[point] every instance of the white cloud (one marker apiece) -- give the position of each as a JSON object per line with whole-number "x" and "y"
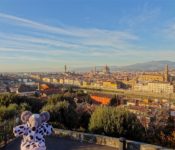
{"x": 77, "y": 46}
{"x": 76, "y": 41}
{"x": 143, "y": 14}
{"x": 69, "y": 31}
{"x": 170, "y": 31}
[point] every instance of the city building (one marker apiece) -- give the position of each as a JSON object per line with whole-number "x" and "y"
{"x": 155, "y": 77}
{"x": 151, "y": 78}
{"x": 155, "y": 87}
{"x": 55, "y": 80}
{"x": 46, "y": 79}
{"x": 110, "y": 85}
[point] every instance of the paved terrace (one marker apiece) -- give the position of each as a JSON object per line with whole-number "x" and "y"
{"x": 56, "y": 143}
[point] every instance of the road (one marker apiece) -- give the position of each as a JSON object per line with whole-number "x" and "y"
{"x": 56, "y": 143}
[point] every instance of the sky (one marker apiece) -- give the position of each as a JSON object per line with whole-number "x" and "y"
{"x": 44, "y": 35}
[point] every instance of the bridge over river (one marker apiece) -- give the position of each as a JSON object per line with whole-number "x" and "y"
{"x": 56, "y": 143}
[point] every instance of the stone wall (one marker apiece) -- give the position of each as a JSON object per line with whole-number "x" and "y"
{"x": 105, "y": 140}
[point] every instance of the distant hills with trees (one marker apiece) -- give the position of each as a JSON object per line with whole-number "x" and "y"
{"x": 147, "y": 66}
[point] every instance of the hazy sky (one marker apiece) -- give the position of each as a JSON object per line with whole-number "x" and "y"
{"x": 43, "y": 35}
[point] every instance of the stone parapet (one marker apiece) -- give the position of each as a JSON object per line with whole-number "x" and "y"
{"x": 105, "y": 140}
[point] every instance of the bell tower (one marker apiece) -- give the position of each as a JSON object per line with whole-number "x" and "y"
{"x": 65, "y": 68}
{"x": 166, "y": 74}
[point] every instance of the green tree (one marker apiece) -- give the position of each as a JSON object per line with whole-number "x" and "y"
{"x": 115, "y": 122}
{"x": 7, "y": 113}
{"x": 35, "y": 103}
{"x": 55, "y": 98}
{"x": 115, "y": 100}
{"x": 24, "y": 107}
{"x": 84, "y": 111}
{"x": 62, "y": 114}
{"x": 70, "y": 89}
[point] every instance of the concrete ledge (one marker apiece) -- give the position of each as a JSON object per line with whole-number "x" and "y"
{"x": 105, "y": 140}
{"x": 2, "y": 144}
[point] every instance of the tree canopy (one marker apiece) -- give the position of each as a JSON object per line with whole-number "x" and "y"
{"x": 115, "y": 122}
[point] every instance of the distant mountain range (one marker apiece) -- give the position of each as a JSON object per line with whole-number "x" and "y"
{"x": 147, "y": 66}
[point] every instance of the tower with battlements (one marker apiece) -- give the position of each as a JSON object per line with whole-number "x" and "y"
{"x": 166, "y": 74}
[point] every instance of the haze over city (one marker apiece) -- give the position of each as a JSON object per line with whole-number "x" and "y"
{"x": 45, "y": 35}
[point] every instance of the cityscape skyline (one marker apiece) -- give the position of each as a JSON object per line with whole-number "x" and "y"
{"x": 50, "y": 34}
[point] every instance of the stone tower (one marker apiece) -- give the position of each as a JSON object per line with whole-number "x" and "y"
{"x": 39, "y": 82}
{"x": 166, "y": 74}
{"x": 95, "y": 69}
{"x": 65, "y": 68}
